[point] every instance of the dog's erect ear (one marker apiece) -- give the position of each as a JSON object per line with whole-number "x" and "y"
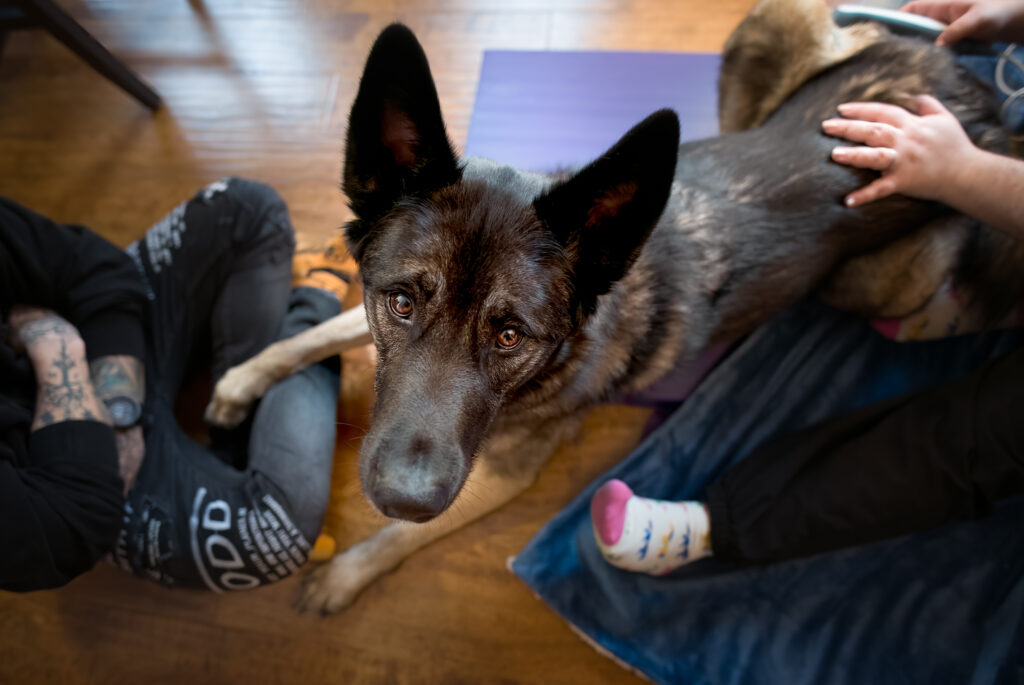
{"x": 396, "y": 143}
{"x": 603, "y": 215}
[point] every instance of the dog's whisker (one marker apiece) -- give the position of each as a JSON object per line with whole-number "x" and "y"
{"x": 361, "y": 429}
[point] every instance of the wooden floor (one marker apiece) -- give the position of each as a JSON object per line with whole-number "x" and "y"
{"x": 261, "y": 88}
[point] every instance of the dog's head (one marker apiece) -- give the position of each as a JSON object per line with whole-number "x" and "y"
{"x": 473, "y": 275}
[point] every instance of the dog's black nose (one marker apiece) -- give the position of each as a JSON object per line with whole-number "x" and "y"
{"x": 416, "y": 483}
{"x": 417, "y": 506}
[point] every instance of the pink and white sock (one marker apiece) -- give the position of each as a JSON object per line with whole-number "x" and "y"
{"x": 648, "y": 535}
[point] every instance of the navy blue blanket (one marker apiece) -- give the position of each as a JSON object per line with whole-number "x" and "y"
{"x": 942, "y": 606}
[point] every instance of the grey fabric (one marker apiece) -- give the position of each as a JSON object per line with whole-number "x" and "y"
{"x": 243, "y": 511}
{"x": 292, "y": 440}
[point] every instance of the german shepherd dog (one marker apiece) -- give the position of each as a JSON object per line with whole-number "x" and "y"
{"x": 504, "y": 304}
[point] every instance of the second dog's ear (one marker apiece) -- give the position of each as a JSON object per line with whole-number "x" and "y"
{"x": 396, "y": 144}
{"x": 603, "y": 215}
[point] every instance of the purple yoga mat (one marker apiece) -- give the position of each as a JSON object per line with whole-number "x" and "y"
{"x": 546, "y": 111}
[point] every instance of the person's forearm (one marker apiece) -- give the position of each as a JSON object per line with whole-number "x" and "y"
{"x": 123, "y": 376}
{"x": 990, "y": 188}
{"x": 119, "y": 376}
{"x": 65, "y": 391}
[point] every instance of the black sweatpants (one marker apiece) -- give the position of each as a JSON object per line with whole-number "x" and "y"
{"x": 217, "y": 272}
{"x": 899, "y": 466}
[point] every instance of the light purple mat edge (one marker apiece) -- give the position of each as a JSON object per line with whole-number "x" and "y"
{"x": 546, "y": 110}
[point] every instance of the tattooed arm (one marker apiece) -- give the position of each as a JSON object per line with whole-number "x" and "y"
{"x": 119, "y": 375}
{"x": 61, "y": 501}
{"x": 65, "y": 391}
{"x": 71, "y": 388}
{"x": 123, "y": 376}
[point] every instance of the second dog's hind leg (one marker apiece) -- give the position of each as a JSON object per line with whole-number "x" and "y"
{"x": 776, "y": 49}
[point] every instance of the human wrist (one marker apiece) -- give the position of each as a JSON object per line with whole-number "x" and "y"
{"x": 119, "y": 376}
{"x": 64, "y": 390}
{"x": 45, "y": 332}
{"x": 120, "y": 383}
{"x": 42, "y": 350}
{"x": 958, "y": 179}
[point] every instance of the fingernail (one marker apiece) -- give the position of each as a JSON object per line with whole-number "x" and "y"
{"x": 840, "y": 153}
{"x": 843, "y": 107}
{"x": 850, "y": 200}
{"x": 829, "y": 123}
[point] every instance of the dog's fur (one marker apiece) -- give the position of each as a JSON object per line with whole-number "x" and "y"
{"x": 613, "y": 274}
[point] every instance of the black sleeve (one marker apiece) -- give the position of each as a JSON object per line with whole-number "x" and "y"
{"x": 62, "y": 512}
{"x": 61, "y": 504}
{"x": 78, "y": 274}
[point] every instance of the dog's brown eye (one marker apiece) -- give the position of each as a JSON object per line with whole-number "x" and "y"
{"x": 510, "y": 338}
{"x": 401, "y": 304}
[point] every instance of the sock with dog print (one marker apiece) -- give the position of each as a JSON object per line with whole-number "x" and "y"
{"x": 648, "y": 535}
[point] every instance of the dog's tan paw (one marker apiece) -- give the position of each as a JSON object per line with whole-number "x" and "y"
{"x": 330, "y": 588}
{"x": 233, "y": 397}
{"x": 336, "y": 584}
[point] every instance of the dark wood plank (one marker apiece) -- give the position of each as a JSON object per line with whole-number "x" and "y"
{"x": 61, "y": 26}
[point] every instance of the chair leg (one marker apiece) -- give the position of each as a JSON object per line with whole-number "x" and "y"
{"x": 80, "y": 41}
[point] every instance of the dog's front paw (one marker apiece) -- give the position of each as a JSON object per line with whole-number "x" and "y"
{"x": 234, "y": 396}
{"x": 336, "y": 584}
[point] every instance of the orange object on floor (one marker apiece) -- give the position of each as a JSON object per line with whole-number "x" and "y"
{"x": 331, "y": 269}
{"x": 324, "y": 548}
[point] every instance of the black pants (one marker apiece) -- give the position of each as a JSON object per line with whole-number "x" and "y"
{"x": 903, "y": 465}
{"x": 218, "y": 272}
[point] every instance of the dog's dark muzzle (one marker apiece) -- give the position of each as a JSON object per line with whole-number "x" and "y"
{"x": 431, "y": 414}
{"x": 407, "y": 491}
{"x": 413, "y": 477}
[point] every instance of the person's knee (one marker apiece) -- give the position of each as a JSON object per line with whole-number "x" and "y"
{"x": 259, "y": 197}
{"x": 262, "y": 203}
{"x": 263, "y": 224}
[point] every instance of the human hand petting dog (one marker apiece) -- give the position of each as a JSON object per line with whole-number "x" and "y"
{"x": 928, "y": 155}
{"x": 920, "y": 155}
{"x": 984, "y": 20}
